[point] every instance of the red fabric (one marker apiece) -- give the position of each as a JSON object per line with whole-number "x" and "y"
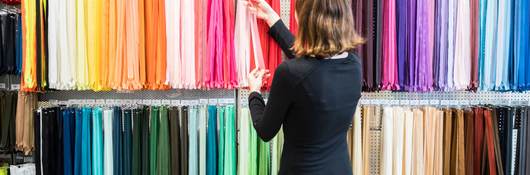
{"x": 10, "y": 2}
{"x": 293, "y": 24}
{"x": 272, "y": 54}
{"x": 490, "y": 143}
{"x": 479, "y": 139}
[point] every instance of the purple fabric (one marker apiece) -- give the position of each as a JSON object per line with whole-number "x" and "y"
{"x": 442, "y": 70}
{"x": 424, "y": 44}
{"x": 411, "y": 43}
{"x": 436, "y": 61}
{"x": 401, "y": 18}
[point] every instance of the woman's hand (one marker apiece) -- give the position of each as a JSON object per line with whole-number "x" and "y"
{"x": 263, "y": 11}
{"x": 255, "y": 79}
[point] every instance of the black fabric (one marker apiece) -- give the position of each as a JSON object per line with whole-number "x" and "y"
{"x": 184, "y": 140}
{"x": 127, "y": 142}
{"x": 52, "y": 142}
{"x": 174, "y": 136}
{"x": 7, "y": 42}
{"x": 304, "y": 95}
{"x": 117, "y": 140}
{"x": 145, "y": 141}
{"x": 38, "y": 146}
{"x": 136, "y": 140}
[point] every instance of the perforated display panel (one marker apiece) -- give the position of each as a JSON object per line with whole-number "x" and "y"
{"x": 157, "y": 95}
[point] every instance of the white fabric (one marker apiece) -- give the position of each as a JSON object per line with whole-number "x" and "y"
{"x": 409, "y": 124}
{"x": 243, "y": 154}
{"x": 451, "y": 44}
{"x": 398, "y": 142}
{"x": 53, "y": 43}
{"x": 173, "y": 43}
{"x": 187, "y": 36}
{"x": 202, "y": 139}
{"x": 357, "y": 143}
{"x": 462, "y": 66}
{"x": 67, "y": 64}
{"x": 24, "y": 169}
{"x": 108, "y": 167}
{"x": 387, "y": 152}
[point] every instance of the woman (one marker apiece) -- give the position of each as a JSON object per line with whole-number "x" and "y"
{"x": 315, "y": 95}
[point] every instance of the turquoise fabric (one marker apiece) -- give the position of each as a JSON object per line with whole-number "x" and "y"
{"x": 211, "y": 142}
{"x": 230, "y": 142}
{"x": 97, "y": 142}
{"x": 193, "y": 141}
{"x": 86, "y": 161}
{"x": 221, "y": 140}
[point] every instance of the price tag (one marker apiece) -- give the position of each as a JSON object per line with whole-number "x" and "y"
{"x": 118, "y": 101}
{"x": 387, "y": 102}
{"x": 394, "y": 102}
{"x": 212, "y": 101}
{"x": 415, "y": 102}
{"x": 404, "y": 102}
{"x": 434, "y": 102}
{"x": 231, "y": 101}
{"x": 100, "y": 101}
{"x": 147, "y": 102}
{"x": 175, "y": 102}
{"x": 15, "y": 86}
{"x": 166, "y": 102}
{"x": 194, "y": 102}
{"x": 90, "y": 102}
{"x": 157, "y": 102}
{"x": 129, "y": 102}
{"x": 63, "y": 102}
{"x": 464, "y": 102}
{"x": 2, "y": 85}
{"x": 424, "y": 102}
{"x": 109, "y": 102}
{"x": 54, "y": 102}
{"x": 203, "y": 101}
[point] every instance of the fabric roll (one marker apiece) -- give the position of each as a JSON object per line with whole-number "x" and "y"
{"x": 357, "y": 143}
{"x": 418, "y": 147}
{"x": 503, "y": 45}
{"x": 145, "y": 157}
{"x": 451, "y": 36}
{"x": 68, "y": 140}
{"x": 221, "y": 139}
{"x": 137, "y": 141}
{"x": 86, "y": 149}
{"x": 254, "y": 157}
{"x": 97, "y": 141}
{"x": 211, "y": 142}
{"x": 387, "y": 141}
{"x": 38, "y": 143}
{"x": 447, "y": 142}
{"x": 442, "y": 21}
{"x": 462, "y": 48}
{"x": 127, "y": 144}
{"x": 490, "y": 40}
{"x": 397, "y": 140}
{"x": 108, "y": 142}
{"x": 78, "y": 139}
{"x": 429, "y": 139}
{"x": 188, "y": 39}
{"x": 244, "y": 144}
{"x": 193, "y": 163}
{"x": 174, "y": 136}
{"x": 174, "y": 61}
{"x": 164, "y": 156}
{"x": 230, "y": 142}
{"x": 490, "y": 141}
{"x": 478, "y": 139}
{"x": 475, "y": 44}
{"x": 82, "y": 81}
{"x": 117, "y": 122}
{"x": 409, "y": 125}
{"x": 153, "y": 139}
{"x": 390, "y": 70}
{"x": 25, "y": 137}
{"x": 184, "y": 140}
{"x": 469, "y": 140}
{"x": 203, "y": 116}
{"x": 438, "y": 150}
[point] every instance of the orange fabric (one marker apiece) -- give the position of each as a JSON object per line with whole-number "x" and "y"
{"x": 155, "y": 46}
{"x": 141, "y": 41}
{"x": 112, "y": 44}
{"x": 28, "y": 82}
{"x": 104, "y": 64}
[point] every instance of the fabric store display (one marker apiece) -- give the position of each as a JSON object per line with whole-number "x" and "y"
{"x": 10, "y": 41}
{"x": 24, "y": 122}
{"x": 443, "y": 45}
{"x": 131, "y": 45}
{"x": 110, "y": 140}
{"x": 440, "y": 140}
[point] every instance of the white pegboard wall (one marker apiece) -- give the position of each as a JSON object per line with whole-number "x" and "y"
{"x": 433, "y": 98}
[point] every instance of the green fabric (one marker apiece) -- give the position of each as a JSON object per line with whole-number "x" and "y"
{"x": 243, "y": 146}
{"x": 253, "y": 149}
{"x": 153, "y": 140}
{"x": 163, "y": 144}
{"x": 3, "y": 169}
{"x": 221, "y": 141}
{"x": 276, "y": 155}
{"x": 264, "y": 157}
{"x": 230, "y": 142}
{"x": 136, "y": 167}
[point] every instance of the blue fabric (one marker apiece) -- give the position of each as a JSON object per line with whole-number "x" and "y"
{"x": 68, "y": 141}
{"x": 402, "y": 43}
{"x": 117, "y": 140}
{"x": 78, "y": 139}
{"x": 97, "y": 142}
{"x": 522, "y": 45}
{"x": 86, "y": 161}
{"x": 19, "y": 44}
{"x": 211, "y": 142}
{"x": 482, "y": 43}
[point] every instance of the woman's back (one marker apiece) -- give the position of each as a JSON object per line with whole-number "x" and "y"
{"x": 325, "y": 95}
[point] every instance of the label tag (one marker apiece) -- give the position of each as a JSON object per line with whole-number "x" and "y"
{"x": 415, "y": 102}
{"x": 2, "y": 85}
{"x": 15, "y": 86}
{"x": 424, "y": 102}
{"x": 100, "y": 101}
{"x": 166, "y": 102}
{"x": 404, "y": 102}
{"x": 231, "y": 101}
{"x": 394, "y": 102}
{"x": 90, "y": 102}
{"x": 212, "y": 101}
{"x": 147, "y": 102}
{"x": 434, "y": 102}
{"x": 157, "y": 102}
{"x": 203, "y": 101}
{"x": 175, "y": 102}
{"x": 194, "y": 102}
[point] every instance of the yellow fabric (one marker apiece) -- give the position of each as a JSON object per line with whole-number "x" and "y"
{"x": 82, "y": 61}
{"x": 28, "y": 9}
{"x": 93, "y": 43}
{"x": 104, "y": 44}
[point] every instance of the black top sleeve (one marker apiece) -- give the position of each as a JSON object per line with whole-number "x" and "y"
{"x": 283, "y": 37}
{"x": 268, "y": 118}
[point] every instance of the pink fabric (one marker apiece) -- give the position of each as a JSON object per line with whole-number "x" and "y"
{"x": 390, "y": 78}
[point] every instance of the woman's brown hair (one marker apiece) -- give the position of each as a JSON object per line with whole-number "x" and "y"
{"x": 325, "y": 28}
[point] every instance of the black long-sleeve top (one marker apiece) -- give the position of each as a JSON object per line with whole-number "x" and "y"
{"x": 315, "y": 100}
